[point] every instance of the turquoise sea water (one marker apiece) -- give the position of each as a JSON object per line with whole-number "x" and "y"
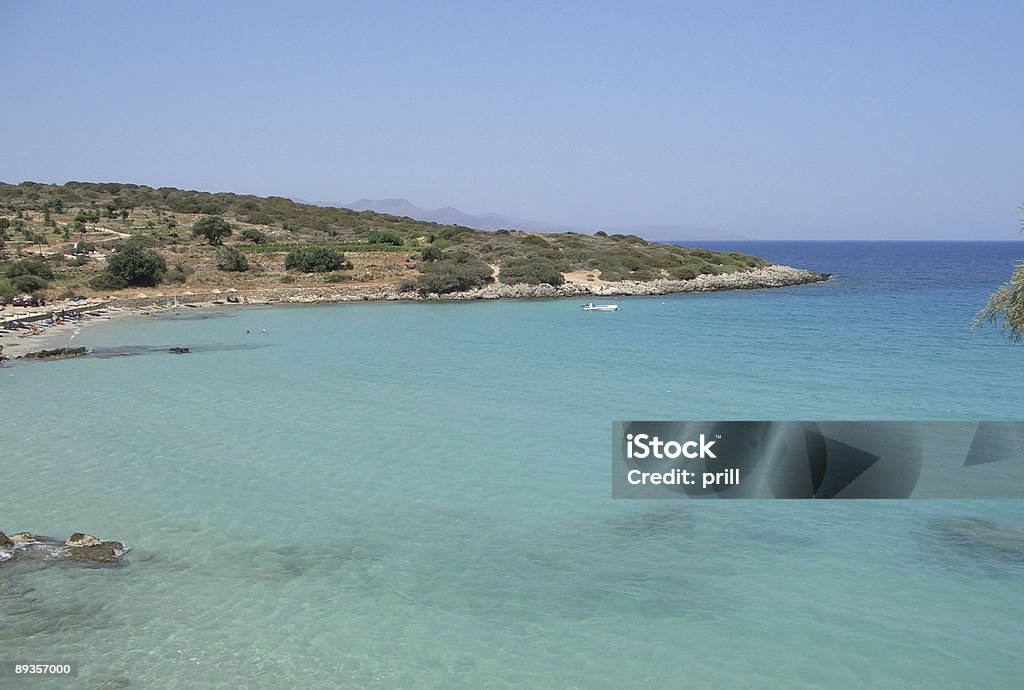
{"x": 419, "y": 495}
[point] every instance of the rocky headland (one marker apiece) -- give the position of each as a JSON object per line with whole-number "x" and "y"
{"x": 768, "y": 277}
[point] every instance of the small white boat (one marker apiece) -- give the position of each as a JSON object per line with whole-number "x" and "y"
{"x": 600, "y": 307}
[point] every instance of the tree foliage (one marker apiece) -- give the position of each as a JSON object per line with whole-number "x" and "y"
{"x": 1006, "y": 305}
{"x": 137, "y": 266}
{"x": 314, "y": 259}
{"x": 213, "y": 228}
{"x": 28, "y": 283}
{"x": 27, "y": 275}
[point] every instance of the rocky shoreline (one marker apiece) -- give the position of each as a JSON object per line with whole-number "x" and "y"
{"x": 769, "y": 277}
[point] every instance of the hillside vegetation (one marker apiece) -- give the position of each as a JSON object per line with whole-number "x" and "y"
{"x": 102, "y": 238}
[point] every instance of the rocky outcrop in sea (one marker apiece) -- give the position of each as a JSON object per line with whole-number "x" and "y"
{"x": 57, "y": 353}
{"x": 79, "y": 547}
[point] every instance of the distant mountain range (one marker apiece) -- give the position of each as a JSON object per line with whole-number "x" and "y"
{"x": 450, "y": 215}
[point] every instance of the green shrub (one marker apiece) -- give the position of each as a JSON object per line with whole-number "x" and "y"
{"x": 144, "y": 241}
{"x": 287, "y": 279}
{"x": 431, "y": 253}
{"x": 453, "y": 233}
{"x": 385, "y": 237}
{"x": 230, "y": 259}
{"x": 457, "y": 273}
{"x": 107, "y": 281}
{"x": 336, "y": 278}
{"x": 255, "y": 236}
{"x": 83, "y": 247}
{"x": 535, "y": 240}
{"x": 136, "y": 266}
{"x": 33, "y": 266}
{"x": 313, "y": 259}
{"x": 79, "y": 261}
{"x": 532, "y": 271}
{"x": 28, "y": 283}
{"x": 176, "y": 275}
{"x": 259, "y": 218}
{"x": 618, "y": 274}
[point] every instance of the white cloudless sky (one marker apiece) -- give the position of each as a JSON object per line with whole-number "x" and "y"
{"x": 786, "y": 120}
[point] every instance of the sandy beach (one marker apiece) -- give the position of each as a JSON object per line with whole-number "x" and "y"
{"x": 17, "y": 342}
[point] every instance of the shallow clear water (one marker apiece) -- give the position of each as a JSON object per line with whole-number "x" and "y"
{"x": 418, "y": 495}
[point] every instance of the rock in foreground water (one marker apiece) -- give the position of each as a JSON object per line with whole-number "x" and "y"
{"x": 79, "y": 547}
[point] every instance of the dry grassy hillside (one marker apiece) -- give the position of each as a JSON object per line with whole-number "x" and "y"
{"x": 79, "y": 228}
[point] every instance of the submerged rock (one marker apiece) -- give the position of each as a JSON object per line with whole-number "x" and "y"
{"x": 983, "y": 536}
{"x": 179, "y": 350}
{"x": 665, "y": 522}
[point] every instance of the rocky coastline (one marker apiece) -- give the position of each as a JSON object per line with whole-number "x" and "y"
{"x": 768, "y": 277}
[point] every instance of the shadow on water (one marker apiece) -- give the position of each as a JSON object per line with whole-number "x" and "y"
{"x": 346, "y": 566}
{"x": 570, "y": 572}
{"x": 132, "y": 350}
{"x": 48, "y": 606}
{"x": 201, "y": 316}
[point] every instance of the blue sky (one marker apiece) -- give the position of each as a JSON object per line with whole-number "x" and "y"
{"x": 772, "y": 120}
